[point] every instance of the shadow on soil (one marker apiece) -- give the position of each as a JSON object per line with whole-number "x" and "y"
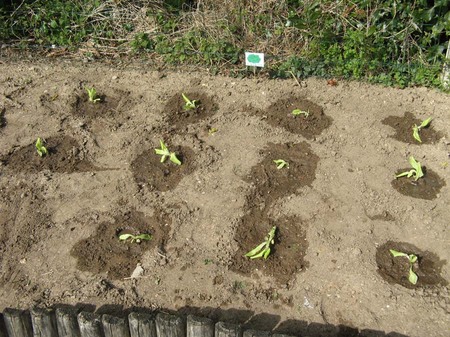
{"x": 247, "y": 319}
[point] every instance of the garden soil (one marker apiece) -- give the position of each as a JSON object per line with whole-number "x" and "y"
{"x": 336, "y": 204}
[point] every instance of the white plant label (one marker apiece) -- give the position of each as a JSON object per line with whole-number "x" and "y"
{"x": 254, "y": 59}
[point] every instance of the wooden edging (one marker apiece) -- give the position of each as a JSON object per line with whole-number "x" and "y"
{"x": 67, "y": 322}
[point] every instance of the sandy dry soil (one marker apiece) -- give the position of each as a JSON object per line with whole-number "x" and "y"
{"x": 337, "y": 207}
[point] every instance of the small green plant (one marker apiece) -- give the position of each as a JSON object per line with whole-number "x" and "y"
{"x": 164, "y": 152}
{"x": 40, "y": 148}
{"x": 207, "y": 261}
{"x": 281, "y": 163}
{"x": 416, "y": 170}
{"x": 188, "y": 103}
{"x": 416, "y": 129}
{"x": 412, "y": 277}
{"x": 263, "y": 250}
{"x": 92, "y": 94}
{"x": 298, "y": 112}
{"x": 133, "y": 238}
{"x": 212, "y": 131}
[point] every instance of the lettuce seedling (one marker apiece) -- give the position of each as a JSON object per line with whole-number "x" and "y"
{"x": 263, "y": 250}
{"x": 40, "y": 148}
{"x": 92, "y": 94}
{"x": 416, "y": 170}
{"x": 137, "y": 238}
{"x": 164, "y": 152}
{"x": 416, "y": 129}
{"x": 188, "y": 103}
{"x": 281, "y": 163}
{"x": 297, "y": 112}
{"x": 412, "y": 277}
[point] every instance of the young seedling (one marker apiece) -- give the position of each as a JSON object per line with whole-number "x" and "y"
{"x": 412, "y": 277}
{"x": 281, "y": 163}
{"x": 298, "y": 112}
{"x": 416, "y": 129}
{"x": 263, "y": 250}
{"x": 92, "y": 94}
{"x": 133, "y": 238}
{"x": 40, "y": 148}
{"x": 416, "y": 170}
{"x": 188, "y": 103}
{"x": 212, "y": 131}
{"x": 164, "y": 152}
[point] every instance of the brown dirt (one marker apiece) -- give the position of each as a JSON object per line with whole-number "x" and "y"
{"x": 64, "y": 156}
{"x": 403, "y": 129}
{"x": 103, "y": 252}
{"x": 427, "y": 187}
{"x": 279, "y": 114}
{"x": 149, "y": 171}
{"x": 428, "y": 267}
{"x": 334, "y": 207}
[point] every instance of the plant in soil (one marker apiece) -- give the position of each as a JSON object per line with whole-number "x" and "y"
{"x": 412, "y": 276}
{"x": 40, "y": 148}
{"x": 92, "y": 94}
{"x": 164, "y": 153}
{"x": 416, "y": 170}
{"x": 188, "y": 103}
{"x": 297, "y": 112}
{"x": 416, "y": 129}
{"x": 281, "y": 163}
{"x": 135, "y": 238}
{"x": 263, "y": 250}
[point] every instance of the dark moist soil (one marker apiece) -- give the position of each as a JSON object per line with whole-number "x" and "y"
{"x": 396, "y": 269}
{"x": 2, "y": 118}
{"x": 279, "y": 114}
{"x": 64, "y": 156}
{"x": 270, "y": 184}
{"x": 109, "y": 105}
{"x": 427, "y": 187}
{"x": 403, "y": 129}
{"x": 103, "y": 252}
{"x": 178, "y": 117}
{"x": 149, "y": 171}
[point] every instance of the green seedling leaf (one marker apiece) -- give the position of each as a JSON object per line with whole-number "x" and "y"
{"x": 412, "y": 276}
{"x": 416, "y": 129}
{"x": 416, "y": 171}
{"x": 164, "y": 153}
{"x": 92, "y": 94}
{"x": 263, "y": 249}
{"x": 212, "y": 131}
{"x": 397, "y": 254}
{"x": 281, "y": 163}
{"x": 297, "y": 112}
{"x": 137, "y": 238}
{"x": 40, "y": 148}
{"x": 188, "y": 103}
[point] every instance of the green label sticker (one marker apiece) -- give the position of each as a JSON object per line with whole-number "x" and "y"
{"x": 254, "y": 59}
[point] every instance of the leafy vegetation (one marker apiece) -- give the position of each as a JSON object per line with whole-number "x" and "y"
{"x": 297, "y": 112}
{"x": 416, "y": 129}
{"x": 415, "y": 172}
{"x": 164, "y": 153}
{"x": 412, "y": 276}
{"x": 281, "y": 163}
{"x": 263, "y": 250}
{"x": 393, "y": 42}
{"x": 135, "y": 238}
{"x": 188, "y": 103}
{"x": 92, "y": 94}
{"x": 40, "y": 148}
